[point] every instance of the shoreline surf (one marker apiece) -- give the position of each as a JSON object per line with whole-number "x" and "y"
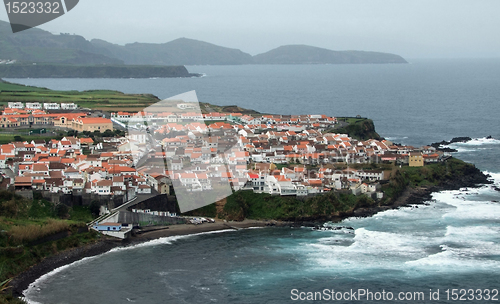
{"x": 21, "y": 283}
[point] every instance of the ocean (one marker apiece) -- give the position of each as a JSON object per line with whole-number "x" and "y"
{"x": 446, "y": 250}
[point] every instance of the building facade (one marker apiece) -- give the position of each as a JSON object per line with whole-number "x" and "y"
{"x": 92, "y": 124}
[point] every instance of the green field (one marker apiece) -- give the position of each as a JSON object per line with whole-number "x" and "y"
{"x": 13, "y": 87}
{"x": 8, "y": 138}
{"x": 95, "y": 99}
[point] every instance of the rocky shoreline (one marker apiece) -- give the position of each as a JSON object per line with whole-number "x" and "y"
{"x": 22, "y": 281}
{"x": 411, "y": 196}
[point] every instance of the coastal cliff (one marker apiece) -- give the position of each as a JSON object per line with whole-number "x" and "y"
{"x": 358, "y": 128}
{"x": 95, "y": 71}
{"x": 407, "y": 185}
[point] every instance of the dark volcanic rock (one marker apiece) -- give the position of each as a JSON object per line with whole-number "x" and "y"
{"x": 438, "y": 145}
{"x": 462, "y": 139}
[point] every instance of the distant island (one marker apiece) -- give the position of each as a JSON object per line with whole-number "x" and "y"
{"x": 39, "y": 46}
{"x": 304, "y": 54}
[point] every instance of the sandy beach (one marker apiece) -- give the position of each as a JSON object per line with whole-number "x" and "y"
{"x": 185, "y": 229}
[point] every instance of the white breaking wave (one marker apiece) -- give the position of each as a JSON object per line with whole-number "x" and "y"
{"x": 472, "y": 231}
{"x": 466, "y": 208}
{"x": 33, "y": 287}
{"x": 461, "y": 149}
{"x": 369, "y": 250}
{"x": 474, "y": 145}
{"x": 166, "y": 240}
{"x": 479, "y": 142}
{"x": 495, "y": 177}
{"x": 455, "y": 260}
{"x": 455, "y": 233}
{"x": 396, "y": 138}
{"x": 414, "y": 211}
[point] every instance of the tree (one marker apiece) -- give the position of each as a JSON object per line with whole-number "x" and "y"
{"x": 108, "y": 133}
{"x": 71, "y": 133}
{"x": 119, "y": 132}
{"x": 95, "y": 208}
{"x": 62, "y": 211}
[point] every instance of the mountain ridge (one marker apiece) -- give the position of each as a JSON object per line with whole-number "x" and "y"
{"x": 39, "y": 46}
{"x": 179, "y": 51}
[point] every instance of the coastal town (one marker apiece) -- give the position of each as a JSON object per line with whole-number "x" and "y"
{"x": 298, "y": 155}
{"x": 246, "y": 152}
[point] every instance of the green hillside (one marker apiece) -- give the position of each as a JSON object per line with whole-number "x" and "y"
{"x": 95, "y": 99}
{"x": 35, "y": 45}
{"x": 180, "y": 51}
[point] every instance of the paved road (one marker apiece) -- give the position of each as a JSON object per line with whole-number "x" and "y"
{"x": 140, "y": 198}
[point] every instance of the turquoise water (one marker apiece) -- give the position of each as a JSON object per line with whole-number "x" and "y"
{"x": 451, "y": 243}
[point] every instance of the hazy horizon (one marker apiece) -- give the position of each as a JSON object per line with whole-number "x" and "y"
{"x": 412, "y": 29}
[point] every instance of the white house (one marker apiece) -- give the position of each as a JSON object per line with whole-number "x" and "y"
{"x": 143, "y": 189}
{"x": 371, "y": 175}
{"x": 16, "y": 105}
{"x": 103, "y": 187}
{"x": 3, "y": 158}
{"x": 69, "y": 106}
{"x": 51, "y": 106}
{"x": 175, "y": 165}
{"x": 34, "y": 105}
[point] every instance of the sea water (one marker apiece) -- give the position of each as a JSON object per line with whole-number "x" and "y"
{"x": 451, "y": 244}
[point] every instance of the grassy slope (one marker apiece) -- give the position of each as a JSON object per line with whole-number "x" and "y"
{"x": 207, "y": 107}
{"x": 7, "y": 86}
{"x": 28, "y": 230}
{"x": 95, "y": 99}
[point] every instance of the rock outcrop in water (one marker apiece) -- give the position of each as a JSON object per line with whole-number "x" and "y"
{"x": 463, "y": 139}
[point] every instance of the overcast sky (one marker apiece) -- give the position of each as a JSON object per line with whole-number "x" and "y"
{"x": 413, "y": 29}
